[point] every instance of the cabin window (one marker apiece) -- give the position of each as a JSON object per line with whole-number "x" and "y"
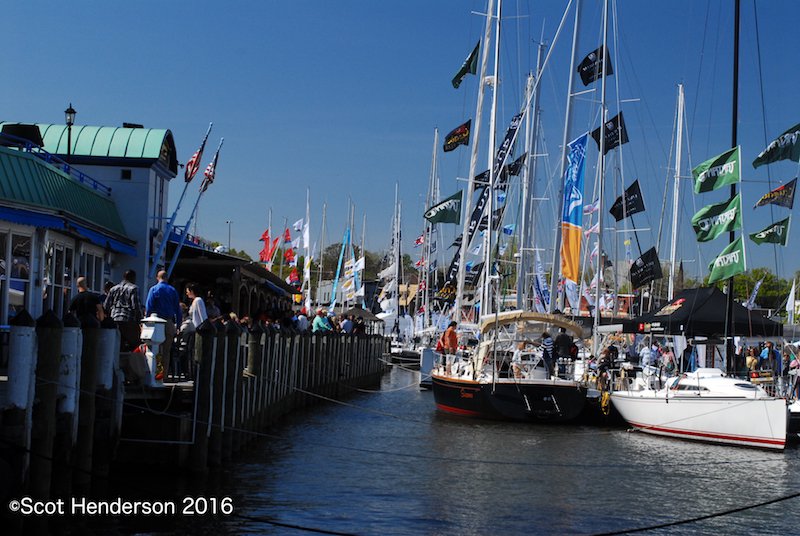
{"x": 91, "y": 267}
{"x": 20, "y": 274}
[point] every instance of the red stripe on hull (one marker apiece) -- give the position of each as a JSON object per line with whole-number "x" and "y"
{"x": 709, "y": 435}
{"x": 459, "y": 411}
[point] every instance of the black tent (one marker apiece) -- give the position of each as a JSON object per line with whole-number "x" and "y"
{"x": 702, "y": 311}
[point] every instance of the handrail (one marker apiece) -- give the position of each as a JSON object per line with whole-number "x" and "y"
{"x": 30, "y": 147}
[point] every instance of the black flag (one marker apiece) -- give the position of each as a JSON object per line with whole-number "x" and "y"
{"x": 645, "y": 269}
{"x": 633, "y": 203}
{"x": 591, "y": 68}
{"x": 458, "y": 136}
{"x": 615, "y": 133}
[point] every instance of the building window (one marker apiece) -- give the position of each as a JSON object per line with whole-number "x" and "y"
{"x": 125, "y": 174}
{"x": 20, "y": 276}
{"x": 91, "y": 267}
{"x": 58, "y": 278}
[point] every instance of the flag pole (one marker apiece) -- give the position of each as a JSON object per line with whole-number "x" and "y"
{"x": 175, "y": 255}
{"x": 171, "y": 224}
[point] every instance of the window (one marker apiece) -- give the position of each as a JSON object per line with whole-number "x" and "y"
{"x": 58, "y": 279}
{"x": 19, "y": 278}
{"x": 91, "y": 267}
{"x": 125, "y": 174}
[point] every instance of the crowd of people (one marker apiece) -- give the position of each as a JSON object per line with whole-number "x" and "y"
{"x": 121, "y": 303}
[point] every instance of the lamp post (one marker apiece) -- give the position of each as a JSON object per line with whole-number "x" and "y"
{"x": 69, "y": 117}
{"x": 229, "y": 222}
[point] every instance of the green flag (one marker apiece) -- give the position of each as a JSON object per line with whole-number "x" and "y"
{"x": 728, "y": 263}
{"x": 713, "y": 220}
{"x": 470, "y": 66}
{"x": 447, "y": 211}
{"x": 717, "y": 172}
{"x": 785, "y": 147}
{"x": 776, "y": 233}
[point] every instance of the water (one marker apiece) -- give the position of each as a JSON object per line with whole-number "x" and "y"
{"x": 386, "y": 463}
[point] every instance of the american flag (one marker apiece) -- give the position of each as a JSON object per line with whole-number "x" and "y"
{"x": 193, "y": 165}
{"x": 211, "y": 170}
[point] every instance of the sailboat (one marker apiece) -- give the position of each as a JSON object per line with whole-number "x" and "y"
{"x": 508, "y": 375}
{"x": 706, "y": 404}
{"x": 398, "y": 325}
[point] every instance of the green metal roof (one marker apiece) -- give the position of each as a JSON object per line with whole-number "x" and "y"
{"x": 25, "y": 180}
{"x": 149, "y": 144}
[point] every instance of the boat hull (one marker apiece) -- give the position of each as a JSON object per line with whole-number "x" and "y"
{"x": 509, "y": 399}
{"x": 747, "y": 422}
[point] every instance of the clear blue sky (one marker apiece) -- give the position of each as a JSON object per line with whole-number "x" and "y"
{"x": 342, "y": 97}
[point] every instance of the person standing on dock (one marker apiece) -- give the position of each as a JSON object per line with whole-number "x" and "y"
{"x": 197, "y": 310}
{"x": 320, "y": 324}
{"x": 162, "y": 300}
{"x": 125, "y": 308}
{"x": 86, "y": 302}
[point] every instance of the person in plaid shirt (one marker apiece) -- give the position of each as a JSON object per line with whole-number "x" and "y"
{"x": 125, "y": 308}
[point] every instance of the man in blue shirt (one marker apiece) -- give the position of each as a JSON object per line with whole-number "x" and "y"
{"x": 162, "y": 300}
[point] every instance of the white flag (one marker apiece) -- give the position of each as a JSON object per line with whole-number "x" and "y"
{"x": 359, "y": 265}
{"x": 360, "y": 291}
{"x": 296, "y": 243}
{"x": 790, "y": 306}
{"x": 348, "y": 284}
{"x": 306, "y": 236}
{"x": 298, "y": 225}
{"x": 388, "y": 272}
{"x": 348, "y": 272}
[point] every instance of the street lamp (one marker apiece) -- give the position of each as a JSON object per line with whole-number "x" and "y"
{"x": 229, "y": 222}
{"x": 69, "y": 118}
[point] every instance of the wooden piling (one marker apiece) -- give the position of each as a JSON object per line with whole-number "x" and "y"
{"x": 218, "y": 398}
{"x": 82, "y": 476}
{"x": 48, "y": 334}
{"x": 66, "y": 425}
{"x": 204, "y": 353}
{"x": 232, "y": 376}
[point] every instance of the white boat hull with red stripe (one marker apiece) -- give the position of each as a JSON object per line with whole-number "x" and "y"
{"x": 706, "y": 405}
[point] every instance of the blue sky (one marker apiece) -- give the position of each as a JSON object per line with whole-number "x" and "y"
{"x": 342, "y": 98}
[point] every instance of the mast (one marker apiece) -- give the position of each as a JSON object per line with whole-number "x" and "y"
{"x": 488, "y": 269}
{"x": 308, "y": 252}
{"x": 675, "y": 194}
{"x": 363, "y": 256}
{"x": 601, "y": 173}
{"x": 734, "y": 143}
{"x": 473, "y": 161}
{"x": 321, "y": 252}
{"x": 531, "y": 143}
{"x": 556, "y": 268}
{"x": 426, "y": 245}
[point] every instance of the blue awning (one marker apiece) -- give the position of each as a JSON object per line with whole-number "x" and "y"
{"x": 104, "y": 241}
{"x": 36, "y": 219}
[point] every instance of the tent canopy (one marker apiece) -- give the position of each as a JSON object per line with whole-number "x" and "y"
{"x": 363, "y": 313}
{"x": 702, "y": 311}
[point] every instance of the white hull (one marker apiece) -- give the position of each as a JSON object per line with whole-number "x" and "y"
{"x": 713, "y": 409}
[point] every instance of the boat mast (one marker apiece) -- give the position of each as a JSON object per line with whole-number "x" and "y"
{"x": 426, "y": 244}
{"x": 473, "y": 163}
{"x": 601, "y": 173}
{"x": 556, "y": 268}
{"x": 488, "y": 268}
{"x": 363, "y": 256}
{"x": 734, "y": 143}
{"x": 321, "y": 252}
{"x": 531, "y": 146}
{"x": 675, "y": 194}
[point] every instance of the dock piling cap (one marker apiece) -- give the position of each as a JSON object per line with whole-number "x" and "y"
{"x": 153, "y": 319}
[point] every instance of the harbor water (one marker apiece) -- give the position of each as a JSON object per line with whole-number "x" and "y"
{"x": 386, "y": 463}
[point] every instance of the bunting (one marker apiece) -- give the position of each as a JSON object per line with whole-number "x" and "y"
{"x": 470, "y": 66}
{"x": 730, "y": 262}
{"x": 457, "y": 136}
{"x": 592, "y": 66}
{"x": 782, "y": 196}
{"x": 776, "y": 233}
{"x": 633, "y": 202}
{"x": 717, "y": 172}
{"x": 712, "y": 220}
{"x": 614, "y": 132}
{"x": 785, "y": 147}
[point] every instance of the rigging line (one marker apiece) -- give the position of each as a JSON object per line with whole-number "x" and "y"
{"x": 764, "y": 123}
{"x": 703, "y": 517}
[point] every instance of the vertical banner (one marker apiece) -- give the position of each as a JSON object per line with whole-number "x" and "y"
{"x": 572, "y": 216}
{"x": 541, "y": 290}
